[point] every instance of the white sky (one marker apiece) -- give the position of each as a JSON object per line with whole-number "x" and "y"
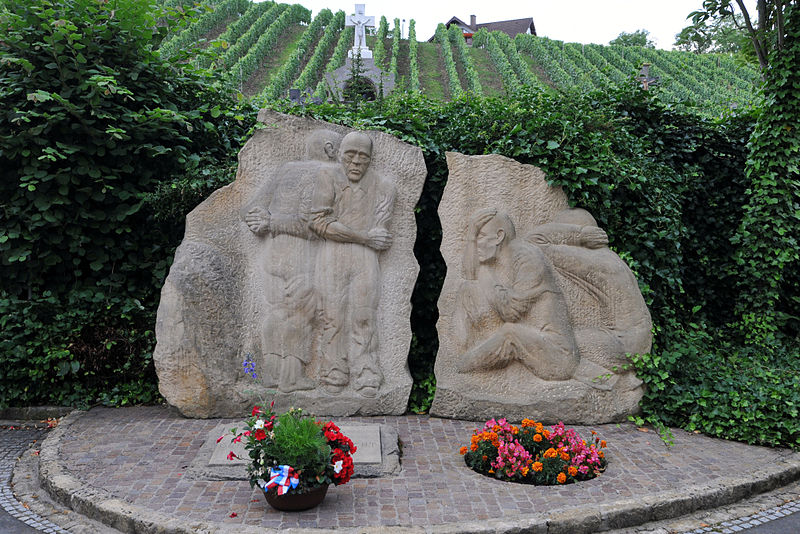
{"x": 580, "y": 21}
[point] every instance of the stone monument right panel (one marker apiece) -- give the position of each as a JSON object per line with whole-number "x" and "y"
{"x": 537, "y": 316}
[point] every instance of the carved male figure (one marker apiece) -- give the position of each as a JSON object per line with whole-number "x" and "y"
{"x": 352, "y": 209}
{"x": 510, "y": 308}
{"x": 280, "y": 213}
{"x": 360, "y": 21}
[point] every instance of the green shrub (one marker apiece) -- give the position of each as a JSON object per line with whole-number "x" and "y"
{"x": 93, "y": 121}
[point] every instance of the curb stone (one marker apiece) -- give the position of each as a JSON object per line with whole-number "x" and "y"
{"x": 718, "y": 517}
{"x": 27, "y": 490}
{"x": 102, "y": 506}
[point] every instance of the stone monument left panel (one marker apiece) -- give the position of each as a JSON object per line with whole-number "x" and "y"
{"x": 304, "y": 265}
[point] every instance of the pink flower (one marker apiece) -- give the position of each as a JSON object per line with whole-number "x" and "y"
{"x": 256, "y": 410}
{"x": 220, "y": 438}
{"x": 232, "y": 456}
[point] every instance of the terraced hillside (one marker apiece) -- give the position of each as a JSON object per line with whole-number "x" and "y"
{"x": 268, "y": 48}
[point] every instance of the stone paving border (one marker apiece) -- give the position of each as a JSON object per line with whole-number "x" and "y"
{"x": 101, "y": 505}
{"x": 773, "y": 504}
{"x": 8, "y": 459}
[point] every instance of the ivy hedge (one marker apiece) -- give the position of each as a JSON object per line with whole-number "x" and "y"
{"x": 107, "y": 146}
{"x": 93, "y": 122}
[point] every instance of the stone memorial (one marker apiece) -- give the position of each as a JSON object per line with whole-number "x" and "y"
{"x": 373, "y": 79}
{"x": 304, "y": 266}
{"x": 537, "y": 316}
{"x": 360, "y": 22}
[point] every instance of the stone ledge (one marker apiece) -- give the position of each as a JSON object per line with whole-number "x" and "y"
{"x": 102, "y": 506}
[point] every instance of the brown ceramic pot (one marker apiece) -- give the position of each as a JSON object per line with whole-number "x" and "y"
{"x": 293, "y": 502}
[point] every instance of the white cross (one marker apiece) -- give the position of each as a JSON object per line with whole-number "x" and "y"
{"x": 361, "y": 22}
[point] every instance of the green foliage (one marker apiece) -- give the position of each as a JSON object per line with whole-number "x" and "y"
{"x": 298, "y": 441}
{"x": 206, "y": 23}
{"x": 93, "y": 121}
{"x": 449, "y": 63}
{"x": 265, "y": 45}
{"x": 235, "y": 30}
{"x": 340, "y": 52}
{"x": 701, "y": 381}
{"x": 456, "y": 37}
{"x": 313, "y": 69}
{"x": 721, "y": 35}
{"x": 767, "y": 257}
{"x": 413, "y": 56}
{"x": 637, "y": 38}
{"x": 765, "y": 32}
{"x": 379, "y": 54}
{"x": 510, "y": 80}
{"x": 716, "y": 81}
{"x": 514, "y": 59}
{"x": 395, "y": 49}
{"x": 282, "y": 79}
{"x": 255, "y": 31}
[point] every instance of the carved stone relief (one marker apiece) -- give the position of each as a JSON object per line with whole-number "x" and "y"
{"x": 317, "y": 238}
{"x": 537, "y": 314}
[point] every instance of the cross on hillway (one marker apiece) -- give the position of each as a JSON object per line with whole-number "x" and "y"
{"x": 644, "y": 77}
{"x": 361, "y": 22}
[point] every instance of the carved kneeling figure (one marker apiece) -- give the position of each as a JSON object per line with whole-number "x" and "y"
{"x": 511, "y": 309}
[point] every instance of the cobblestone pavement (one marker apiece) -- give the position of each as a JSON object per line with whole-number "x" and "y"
{"x": 15, "y": 518}
{"x": 128, "y": 466}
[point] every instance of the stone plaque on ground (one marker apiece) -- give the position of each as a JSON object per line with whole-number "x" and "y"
{"x": 537, "y": 315}
{"x": 366, "y": 438}
{"x": 377, "y": 454}
{"x": 304, "y": 266}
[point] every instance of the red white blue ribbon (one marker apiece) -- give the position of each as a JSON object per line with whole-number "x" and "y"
{"x": 282, "y": 477}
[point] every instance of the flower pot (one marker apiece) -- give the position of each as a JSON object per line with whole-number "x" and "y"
{"x": 292, "y": 502}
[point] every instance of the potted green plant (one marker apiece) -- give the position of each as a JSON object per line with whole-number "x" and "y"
{"x": 294, "y": 457}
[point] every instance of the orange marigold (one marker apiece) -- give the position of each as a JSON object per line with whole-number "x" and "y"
{"x": 537, "y": 466}
{"x": 473, "y": 447}
{"x": 572, "y": 470}
{"x": 602, "y": 443}
{"x": 463, "y": 450}
{"x": 539, "y": 427}
{"x": 550, "y": 453}
{"x": 528, "y": 423}
{"x": 601, "y": 454}
{"x": 484, "y": 457}
{"x": 537, "y": 438}
{"x": 561, "y": 478}
{"x": 546, "y": 433}
{"x": 565, "y": 456}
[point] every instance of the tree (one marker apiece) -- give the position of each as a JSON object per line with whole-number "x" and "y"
{"x": 93, "y": 121}
{"x": 765, "y": 33}
{"x": 637, "y": 38}
{"x": 768, "y": 253}
{"x": 718, "y": 35}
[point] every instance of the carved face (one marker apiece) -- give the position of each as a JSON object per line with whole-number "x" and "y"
{"x": 488, "y": 241}
{"x": 356, "y": 155}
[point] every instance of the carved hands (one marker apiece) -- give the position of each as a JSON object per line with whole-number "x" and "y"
{"x": 257, "y": 220}
{"x": 479, "y": 220}
{"x": 593, "y": 237}
{"x": 378, "y": 239}
{"x": 510, "y": 308}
